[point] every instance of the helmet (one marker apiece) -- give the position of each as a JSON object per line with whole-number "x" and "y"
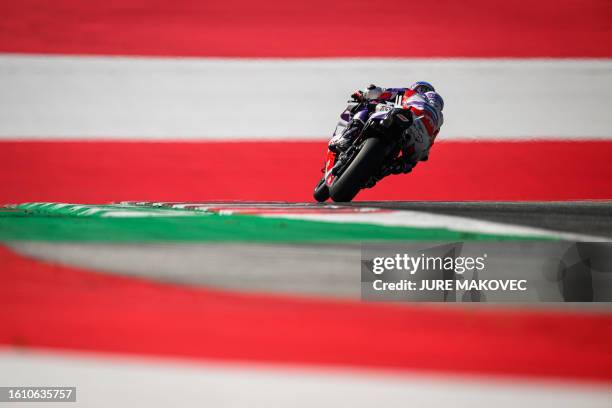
{"x": 435, "y": 99}
{"x": 422, "y": 87}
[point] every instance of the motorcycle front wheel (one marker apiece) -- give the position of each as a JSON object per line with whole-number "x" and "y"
{"x": 367, "y": 162}
{"x": 321, "y": 191}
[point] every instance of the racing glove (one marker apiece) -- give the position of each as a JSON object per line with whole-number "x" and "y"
{"x": 357, "y": 96}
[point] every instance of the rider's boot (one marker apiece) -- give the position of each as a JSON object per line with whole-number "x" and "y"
{"x": 340, "y": 144}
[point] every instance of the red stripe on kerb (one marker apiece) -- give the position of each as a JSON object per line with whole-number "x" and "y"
{"x": 317, "y": 28}
{"x": 100, "y": 172}
{"x": 45, "y": 305}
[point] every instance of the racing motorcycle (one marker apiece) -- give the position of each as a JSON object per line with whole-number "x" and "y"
{"x": 368, "y": 159}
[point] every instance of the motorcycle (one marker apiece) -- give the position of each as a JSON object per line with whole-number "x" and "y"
{"x": 367, "y": 160}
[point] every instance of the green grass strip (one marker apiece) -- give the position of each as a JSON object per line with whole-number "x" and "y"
{"x": 40, "y": 225}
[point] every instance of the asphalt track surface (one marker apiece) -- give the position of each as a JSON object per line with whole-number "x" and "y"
{"x": 584, "y": 217}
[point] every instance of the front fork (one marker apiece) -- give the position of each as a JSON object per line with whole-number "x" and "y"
{"x": 330, "y": 160}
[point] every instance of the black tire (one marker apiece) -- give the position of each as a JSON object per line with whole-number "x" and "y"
{"x": 321, "y": 191}
{"x": 368, "y": 161}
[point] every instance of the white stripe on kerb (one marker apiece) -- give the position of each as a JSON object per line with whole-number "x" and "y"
{"x": 106, "y": 380}
{"x": 190, "y": 98}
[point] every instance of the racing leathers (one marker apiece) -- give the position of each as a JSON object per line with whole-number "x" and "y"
{"x": 426, "y": 109}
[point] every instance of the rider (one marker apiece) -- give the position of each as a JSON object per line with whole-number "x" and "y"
{"x": 421, "y": 99}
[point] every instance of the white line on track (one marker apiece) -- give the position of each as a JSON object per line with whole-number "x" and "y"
{"x": 370, "y": 215}
{"x": 418, "y": 219}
